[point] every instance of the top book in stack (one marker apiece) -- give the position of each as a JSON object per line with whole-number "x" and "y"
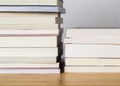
{"x": 93, "y": 36}
{"x": 46, "y": 6}
{"x": 32, "y": 2}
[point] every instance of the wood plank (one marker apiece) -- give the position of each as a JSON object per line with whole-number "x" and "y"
{"x": 67, "y": 79}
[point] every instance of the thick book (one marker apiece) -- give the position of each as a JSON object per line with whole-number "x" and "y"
{"x": 92, "y": 50}
{"x": 28, "y": 31}
{"x": 30, "y": 71}
{"x": 92, "y": 62}
{"x": 110, "y": 36}
{"x": 31, "y": 20}
{"x": 26, "y": 65}
{"x": 31, "y": 2}
{"x": 29, "y": 41}
{"x": 92, "y": 41}
{"x": 28, "y": 60}
{"x": 93, "y": 33}
{"x": 28, "y": 52}
{"x": 92, "y": 69}
{"x": 15, "y": 28}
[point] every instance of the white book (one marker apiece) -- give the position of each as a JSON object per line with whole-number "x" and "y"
{"x": 27, "y": 27}
{"x": 92, "y": 62}
{"x": 28, "y": 60}
{"x": 28, "y": 52}
{"x": 29, "y": 32}
{"x": 41, "y": 20}
{"x": 92, "y": 69}
{"x": 93, "y": 33}
{"x": 108, "y": 36}
{"x": 25, "y": 65}
{"x": 30, "y": 2}
{"x": 92, "y": 50}
{"x": 29, "y": 71}
{"x": 92, "y": 41}
{"x": 31, "y": 41}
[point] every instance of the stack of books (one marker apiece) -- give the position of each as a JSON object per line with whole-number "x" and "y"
{"x": 92, "y": 50}
{"x": 30, "y": 35}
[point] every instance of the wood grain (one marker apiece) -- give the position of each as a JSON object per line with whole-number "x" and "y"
{"x": 67, "y": 79}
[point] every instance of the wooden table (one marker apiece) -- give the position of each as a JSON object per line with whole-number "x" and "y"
{"x": 66, "y": 79}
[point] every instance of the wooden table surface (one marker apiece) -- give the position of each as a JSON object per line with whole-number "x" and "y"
{"x": 66, "y": 79}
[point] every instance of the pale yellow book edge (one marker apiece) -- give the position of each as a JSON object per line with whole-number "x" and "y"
{"x": 90, "y": 62}
{"x": 31, "y": 2}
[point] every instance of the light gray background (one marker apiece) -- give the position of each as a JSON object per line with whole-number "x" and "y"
{"x": 91, "y": 13}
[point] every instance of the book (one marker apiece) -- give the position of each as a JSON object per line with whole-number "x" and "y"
{"x": 28, "y": 60}
{"x": 93, "y": 33}
{"x": 29, "y": 41}
{"x": 31, "y": 9}
{"x": 30, "y": 71}
{"x": 92, "y": 50}
{"x": 27, "y": 31}
{"x": 26, "y": 65}
{"x": 92, "y": 41}
{"x": 28, "y": 52}
{"x": 27, "y": 27}
{"x": 93, "y": 69}
{"x": 40, "y": 20}
{"x": 108, "y": 36}
{"x": 92, "y": 62}
{"x": 31, "y": 2}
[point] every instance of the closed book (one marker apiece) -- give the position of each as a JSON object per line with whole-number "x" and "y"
{"x": 26, "y": 65}
{"x": 92, "y": 50}
{"x": 93, "y": 36}
{"x": 31, "y": 9}
{"x": 31, "y": 20}
{"x": 92, "y": 62}
{"x": 29, "y": 41}
{"x": 28, "y": 52}
{"x": 30, "y": 71}
{"x": 31, "y": 2}
{"x": 92, "y": 41}
{"x": 29, "y": 60}
{"x": 29, "y": 31}
{"x": 93, "y": 33}
{"x": 92, "y": 69}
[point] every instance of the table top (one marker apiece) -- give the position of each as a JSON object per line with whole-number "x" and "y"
{"x": 66, "y": 79}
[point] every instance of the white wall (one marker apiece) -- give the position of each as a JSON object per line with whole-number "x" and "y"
{"x": 92, "y": 13}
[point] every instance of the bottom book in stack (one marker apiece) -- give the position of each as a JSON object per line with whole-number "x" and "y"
{"x": 28, "y": 51}
{"x": 92, "y": 50}
{"x": 21, "y": 68}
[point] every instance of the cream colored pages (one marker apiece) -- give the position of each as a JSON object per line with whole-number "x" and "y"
{"x": 27, "y": 60}
{"x": 28, "y": 2}
{"x": 50, "y": 31}
{"x": 28, "y": 52}
{"x": 93, "y": 69}
{"x": 91, "y": 50}
{"x": 92, "y": 61}
{"x": 26, "y": 65}
{"x": 93, "y": 34}
{"x": 40, "y": 20}
{"x": 93, "y": 41}
{"x": 50, "y": 41}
